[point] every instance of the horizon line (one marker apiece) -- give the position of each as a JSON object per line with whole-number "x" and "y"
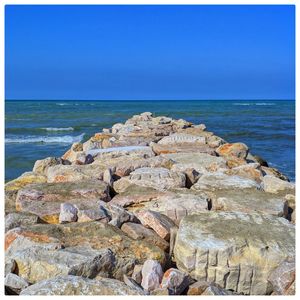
{"x": 249, "y": 99}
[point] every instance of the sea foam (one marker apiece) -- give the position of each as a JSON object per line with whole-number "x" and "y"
{"x": 58, "y": 128}
{"x": 65, "y": 139}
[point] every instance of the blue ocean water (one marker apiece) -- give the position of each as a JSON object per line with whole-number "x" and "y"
{"x": 38, "y": 129}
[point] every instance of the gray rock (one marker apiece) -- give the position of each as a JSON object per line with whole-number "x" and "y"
{"x": 10, "y": 266}
{"x": 76, "y": 285}
{"x": 14, "y": 220}
{"x": 89, "y": 215}
{"x": 15, "y": 283}
{"x": 68, "y": 213}
{"x": 152, "y": 274}
{"x": 137, "y": 273}
{"x": 133, "y": 284}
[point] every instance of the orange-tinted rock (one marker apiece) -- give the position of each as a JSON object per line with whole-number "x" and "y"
{"x": 238, "y": 150}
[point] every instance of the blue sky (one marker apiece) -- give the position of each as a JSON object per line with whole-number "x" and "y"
{"x": 149, "y": 52}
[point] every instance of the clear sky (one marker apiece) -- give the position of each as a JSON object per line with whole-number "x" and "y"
{"x": 149, "y": 52}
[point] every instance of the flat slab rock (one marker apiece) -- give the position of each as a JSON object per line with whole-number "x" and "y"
{"x": 159, "y": 178}
{"x": 218, "y": 180}
{"x": 173, "y": 203}
{"x": 95, "y": 235}
{"x": 44, "y": 199}
{"x": 238, "y": 251}
{"x": 76, "y": 285}
{"x": 249, "y": 200}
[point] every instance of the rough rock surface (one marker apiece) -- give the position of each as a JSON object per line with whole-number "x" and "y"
{"x": 108, "y": 211}
{"x": 238, "y": 251}
{"x": 45, "y": 199}
{"x": 76, "y": 285}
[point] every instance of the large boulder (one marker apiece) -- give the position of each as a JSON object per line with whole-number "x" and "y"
{"x": 18, "y": 219}
{"x": 75, "y": 285}
{"x": 45, "y": 199}
{"x": 96, "y": 235}
{"x": 274, "y": 185}
{"x": 235, "y": 150}
{"x": 238, "y": 251}
{"x": 158, "y": 178}
{"x": 41, "y": 166}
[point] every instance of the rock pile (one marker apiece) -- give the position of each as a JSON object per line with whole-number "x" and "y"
{"x": 154, "y": 206}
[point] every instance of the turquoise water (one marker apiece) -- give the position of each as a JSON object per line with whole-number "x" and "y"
{"x": 37, "y": 129}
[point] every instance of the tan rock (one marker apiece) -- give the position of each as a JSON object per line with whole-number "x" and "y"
{"x": 178, "y": 138}
{"x": 44, "y": 199}
{"x": 251, "y": 171}
{"x": 175, "y": 281}
{"x": 235, "y": 250}
{"x": 161, "y": 224}
{"x": 274, "y": 185}
{"x": 76, "y": 285}
{"x": 238, "y": 150}
{"x": 41, "y": 166}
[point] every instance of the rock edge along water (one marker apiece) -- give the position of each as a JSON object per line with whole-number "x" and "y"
{"x": 208, "y": 215}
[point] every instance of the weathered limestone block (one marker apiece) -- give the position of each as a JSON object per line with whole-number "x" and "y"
{"x": 238, "y": 150}
{"x": 41, "y": 166}
{"x": 201, "y": 162}
{"x": 249, "y": 200}
{"x": 137, "y": 273}
{"x": 12, "y": 188}
{"x": 17, "y": 219}
{"x": 95, "y": 234}
{"x": 283, "y": 278}
{"x": 89, "y": 215}
{"x": 175, "y": 281}
{"x": 161, "y": 224}
{"x": 251, "y": 171}
{"x": 75, "y": 150}
{"x": 69, "y": 173}
{"x": 159, "y": 178}
{"x": 274, "y": 185}
{"x": 37, "y": 263}
{"x": 44, "y": 199}
{"x": 238, "y": 251}
{"x": 151, "y": 275}
{"x": 76, "y": 285}
{"x": 178, "y": 138}
{"x": 173, "y": 203}
{"x": 212, "y": 181}
{"x": 139, "y": 232}
{"x": 182, "y": 148}
{"x": 10, "y": 266}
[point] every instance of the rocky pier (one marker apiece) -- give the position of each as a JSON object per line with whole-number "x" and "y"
{"x": 154, "y": 206}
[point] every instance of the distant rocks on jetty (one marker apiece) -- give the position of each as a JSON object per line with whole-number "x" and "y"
{"x": 154, "y": 206}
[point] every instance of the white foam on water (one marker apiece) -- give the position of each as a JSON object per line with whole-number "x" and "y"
{"x": 58, "y": 128}
{"x": 65, "y": 139}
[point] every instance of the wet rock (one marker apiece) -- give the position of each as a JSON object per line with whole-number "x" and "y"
{"x": 235, "y": 250}
{"x": 151, "y": 275}
{"x": 139, "y": 232}
{"x": 238, "y": 150}
{"x": 68, "y": 213}
{"x": 161, "y": 224}
{"x": 274, "y": 172}
{"x": 175, "y": 281}
{"x": 274, "y": 185}
{"x": 18, "y": 219}
{"x": 14, "y": 284}
{"x": 76, "y": 285}
{"x": 283, "y": 278}
{"x": 44, "y": 200}
{"x": 159, "y": 178}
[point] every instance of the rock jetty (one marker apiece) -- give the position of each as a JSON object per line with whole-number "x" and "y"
{"x": 152, "y": 206}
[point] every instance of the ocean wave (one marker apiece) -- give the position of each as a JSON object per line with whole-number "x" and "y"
{"x": 58, "y": 129}
{"x": 65, "y": 139}
{"x": 258, "y": 103}
{"x": 63, "y": 104}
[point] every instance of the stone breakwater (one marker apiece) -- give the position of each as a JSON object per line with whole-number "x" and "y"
{"x": 154, "y": 206}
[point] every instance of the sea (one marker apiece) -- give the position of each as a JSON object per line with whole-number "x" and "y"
{"x": 39, "y": 129}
